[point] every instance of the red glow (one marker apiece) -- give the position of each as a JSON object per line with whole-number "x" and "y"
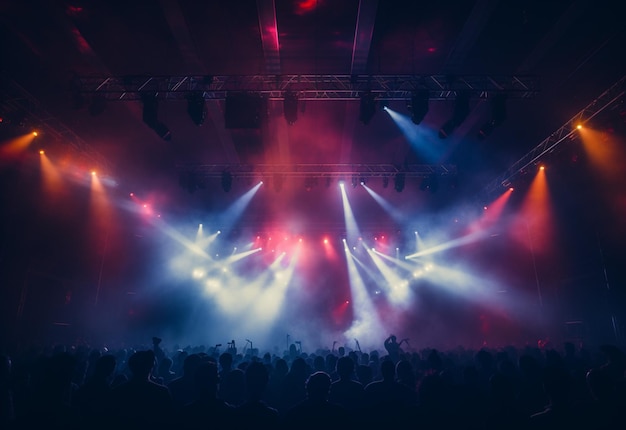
{"x": 536, "y": 225}
{"x": 305, "y": 6}
{"x": 16, "y": 145}
{"x": 491, "y": 214}
{"x": 431, "y": 49}
{"x": 51, "y": 179}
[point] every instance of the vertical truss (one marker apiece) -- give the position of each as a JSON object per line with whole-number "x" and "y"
{"x": 604, "y": 101}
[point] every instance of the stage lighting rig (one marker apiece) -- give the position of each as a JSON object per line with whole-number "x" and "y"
{"x": 150, "y": 116}
{"x": 290, "y": 107}
{"x": 498, "y": 115}
{"x": 196, "y": 107}
{"x": 398, "y": 182}
{"x": 419, "y": 106}
{"x": 367, "y": 107}
{"x": 460, "y": 113}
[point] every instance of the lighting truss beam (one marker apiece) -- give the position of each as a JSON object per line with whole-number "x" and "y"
{"x": 605, "y": 100}
{"x": 333, "y": 171}
{"x": 311, "y": 87}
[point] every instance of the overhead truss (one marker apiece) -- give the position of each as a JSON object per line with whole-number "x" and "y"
{"x": 331, "y": 171}
{"x": 307, "y": 87}
{"x": 562, "y": 134}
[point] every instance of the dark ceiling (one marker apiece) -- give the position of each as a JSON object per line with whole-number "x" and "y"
{"x": 574, "y": 48}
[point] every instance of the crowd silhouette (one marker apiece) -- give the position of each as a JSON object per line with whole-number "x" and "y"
{"x": 153, "y": 386}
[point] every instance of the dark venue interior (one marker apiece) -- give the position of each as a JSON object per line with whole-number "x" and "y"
{"x": 312, "y": 213}
{"x": 312, "y": 171}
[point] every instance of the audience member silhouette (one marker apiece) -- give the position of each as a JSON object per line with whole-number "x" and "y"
{"x": 364, "y": 374}
{"x": 140, "y": 402}
{"x": 346, "y": 391}
{"x": 94, "y": 397}
{"x": 183, "y": 388}
{"x": 254, "y": 412}
{"x": 232, "y": 380}
{"x": 207, "y": 407}
{"x": 386, "y": 397}
{"x": 164, "y": 371}
{"x": 559, "y": 412}
{"x": 394, "y": 348}
{"x": 294, "y": 390}
{"x": 274, "y": 390}
{"x": 315, "y": 411}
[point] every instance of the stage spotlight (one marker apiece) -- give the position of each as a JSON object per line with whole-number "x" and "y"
{"x": 385, "y": 181}
{"x": 430, "y": 183}
{"x": 398, "y": 182}
{"x": 150, "y": 116}
{"x": 290, "y": 107}
{"x": 367, "y": 107}
{"x": 363, "y": 180}
{"x": 498, "y": 115}
{"x": 459, "y": 114}
{"x": 196, "y": 107}
{"x": 419, "y": 106}
{"x": 227, "y": 181}
{"x": 354, "y": 181}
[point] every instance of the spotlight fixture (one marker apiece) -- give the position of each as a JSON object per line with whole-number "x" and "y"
{"x": 227, "y": 181}
{"x": 290, "y": 107}
{"x": 398, "y": 182}
{"x": 354, "y": 181}
{"x": 151, "y": 118}
{"x": 431, "y": 183}
{"x": 419, "y": 106}
{"x": 196, "y": 107}
{"x": 460, "y": 113}
{"x": 498, "y": 115}
{"x": 385, "y": 181}
{"x": 367, "y": 107}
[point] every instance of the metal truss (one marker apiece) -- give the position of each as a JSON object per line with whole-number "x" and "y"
{"x": 548, "y": 145}
{"x": 330, "y": 171}
{"x": 306, "y": 87}
{"x": 15, "y": 99}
